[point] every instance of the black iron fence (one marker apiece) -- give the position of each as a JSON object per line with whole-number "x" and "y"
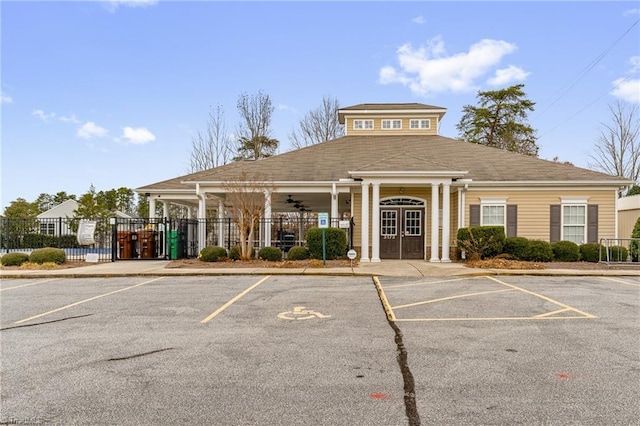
{"x": 153, "y": 238}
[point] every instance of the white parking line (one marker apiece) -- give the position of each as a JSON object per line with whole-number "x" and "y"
{"x": 27, "y": 285}
{"x": 620, "y": 281}
{"x": 232, "y": 301}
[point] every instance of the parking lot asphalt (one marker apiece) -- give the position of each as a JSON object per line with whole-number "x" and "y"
{"x": 334, "y": 350}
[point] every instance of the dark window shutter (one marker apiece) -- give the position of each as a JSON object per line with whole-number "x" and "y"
{"x": 512, "y": 220}
{"x": 555, "y": 222}
{"x": 474, "y": 215}
{"x": 592, "y": 223}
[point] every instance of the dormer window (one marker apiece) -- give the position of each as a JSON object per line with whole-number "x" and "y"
{"x": 420, "y": 124}
{"x": 392, "y": 124}
{"x": 363, "y": 124}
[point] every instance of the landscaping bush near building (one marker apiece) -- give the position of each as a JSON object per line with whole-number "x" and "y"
{"x": 565, "y": 251}
{"x": 590, "y": 252}
{"x": 213, "y": 254}
{"x": 272, "y": 254}
{"x": 481, "y": 242}
{"x": 235, "y": 253}
{"x": 539, "y": 251}
{"x": 335, "y": 239}
{"x": 634, "y": 247}
{"x": 616, "y": 254}
{"x": 298, "y": 253}
{"x": 516, "y": 247}
{"x": 39, "y": 241}
{"x": 48, "y": 254}
{"x": 14, "y": 259}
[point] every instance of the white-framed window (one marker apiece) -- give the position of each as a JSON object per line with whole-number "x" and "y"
{"x": 362, "y": 124}
{"x": 388, "y": 223}
{"x": 574, "y": 223}
{"x": 392, "y": 124}
{"x": 47, "y": 228}
{"x": 493, "y": 212}
{"x": 420, "y": 124}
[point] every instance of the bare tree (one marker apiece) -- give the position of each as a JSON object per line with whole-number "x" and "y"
{"x": 254, "y": 139}
{"x": 245, "y": 196}
{"x": 318, "y": 125}
{"x": 213, "y": 148}
{"x": 617, "y": 148}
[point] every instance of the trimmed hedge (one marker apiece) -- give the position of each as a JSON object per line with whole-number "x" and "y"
{"x": 590, "y": 252}
{"x": 298, "y": 253}
{"x": 48, "y": 254}
{"x": 539, "y": 251}
{"x": 565, "y": 251}
{"x": 235, "y": 253}
{"x": 516, "y": 247}
{"x": 14, "y": 259}
{"x": 335, "y": 239}
{"x": 617, "y": 254}
{"x": 271, "y": 254}
{"x": 481, "y": 242}
{"x": 213, "y": 254}
{"x": 634, "y": 247}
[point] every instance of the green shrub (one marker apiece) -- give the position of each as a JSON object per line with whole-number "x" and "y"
{"x": 616, "y": 254}
{"x": 634, "y": 247}
{"x": 516, "y": 247}
{"x": 48, "y": 254}
{"x": 14, "y": 259}
{"x": 39, "y": 241}
{"x": 590, "y": 252}
{"x": 272, "y": 254}
{"x": 539, "y": 251}
{"x": 212, "y": 254}
{"x": 565, "y": 251}
{"x": 481, "y": 242}
{"x": 69, "y": 241}
{"x": 335, "y": 239}
{"x": 235, "y": 253}
{"x": 298, "y": 253}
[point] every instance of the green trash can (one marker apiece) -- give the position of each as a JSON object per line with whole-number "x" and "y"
{"x": 174, "y": 243}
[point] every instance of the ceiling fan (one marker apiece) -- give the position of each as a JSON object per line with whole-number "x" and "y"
{"x": 291, "y": 200}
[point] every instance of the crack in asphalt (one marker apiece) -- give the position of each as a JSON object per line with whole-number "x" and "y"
{"x": 139, "y": 355}
{"x": 45, "y": 322}
{"x": 411, "y": 408}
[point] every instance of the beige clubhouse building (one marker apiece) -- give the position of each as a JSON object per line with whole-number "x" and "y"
{"x": 408, "y": 189}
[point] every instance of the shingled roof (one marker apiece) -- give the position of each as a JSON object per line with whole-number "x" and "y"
{"x": 333, "y": 160}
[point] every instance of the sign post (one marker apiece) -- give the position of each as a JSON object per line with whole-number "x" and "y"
{"x": 323, "y": 223}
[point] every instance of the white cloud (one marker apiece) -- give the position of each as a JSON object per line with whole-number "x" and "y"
{"x": 634, "y": 61}
{"x": 428, "y": 69}
{"x": 631, "y": 12}
{"x": 418, "y": 20}
{"x": 71, "y": 119}
{"x": 43, "y": 115}
{"x": 138, "y": 136}
{"x": 627, "y": 90}
{"x": 505, "y": 76}
{"x": 112, "y": 5}
{"x": 5, "y": 99}
{"x": 90, "y": 130}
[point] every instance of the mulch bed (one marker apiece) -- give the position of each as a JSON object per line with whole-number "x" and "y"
{"x": 309, "y": 263}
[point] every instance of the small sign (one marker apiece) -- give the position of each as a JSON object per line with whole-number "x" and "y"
{"x": 344, "y": 224}
{"x": 91, "y": 258}
{"x": 351, "y": 254}
{"x": 323, "y": 220}
{"x": 86, "y": 231}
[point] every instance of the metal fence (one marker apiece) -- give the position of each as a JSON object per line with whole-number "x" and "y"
{"x": 153, "y": 238}
{"x": 620, "y": 251}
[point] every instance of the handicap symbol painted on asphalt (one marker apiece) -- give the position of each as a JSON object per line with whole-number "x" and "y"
{"x": 301, "y": 313}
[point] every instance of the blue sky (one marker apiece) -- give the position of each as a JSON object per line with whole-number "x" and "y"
{"x": 111, "y": 93}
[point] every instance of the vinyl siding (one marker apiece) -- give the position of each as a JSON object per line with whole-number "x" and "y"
{"x": 626, "y": 221}
{"x": 534, "y": 211}
{"x": 405, "y": 130}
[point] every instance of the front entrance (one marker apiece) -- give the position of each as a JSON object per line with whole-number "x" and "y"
{"x": 402, "y": 229}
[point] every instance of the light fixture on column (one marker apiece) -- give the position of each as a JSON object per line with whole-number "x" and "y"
{"x": 401, "y": 190}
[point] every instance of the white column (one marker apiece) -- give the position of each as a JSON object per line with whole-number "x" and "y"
{"x": 221, "y": 223}
{"x": 334, "y": 205}
{"x": 165, "y": 209}
{"x": 364, "y": 223}
{"x": 202, "y": 222}
{"x": 375, "y": 224}
{"x": 267, "y": 218}
{"x": 446, "y": 222}
{"x": 152, "y": 207}
{"x": 435, "y": 187}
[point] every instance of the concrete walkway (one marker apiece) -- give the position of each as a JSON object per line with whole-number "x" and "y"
{"x": 394, "y": 268}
